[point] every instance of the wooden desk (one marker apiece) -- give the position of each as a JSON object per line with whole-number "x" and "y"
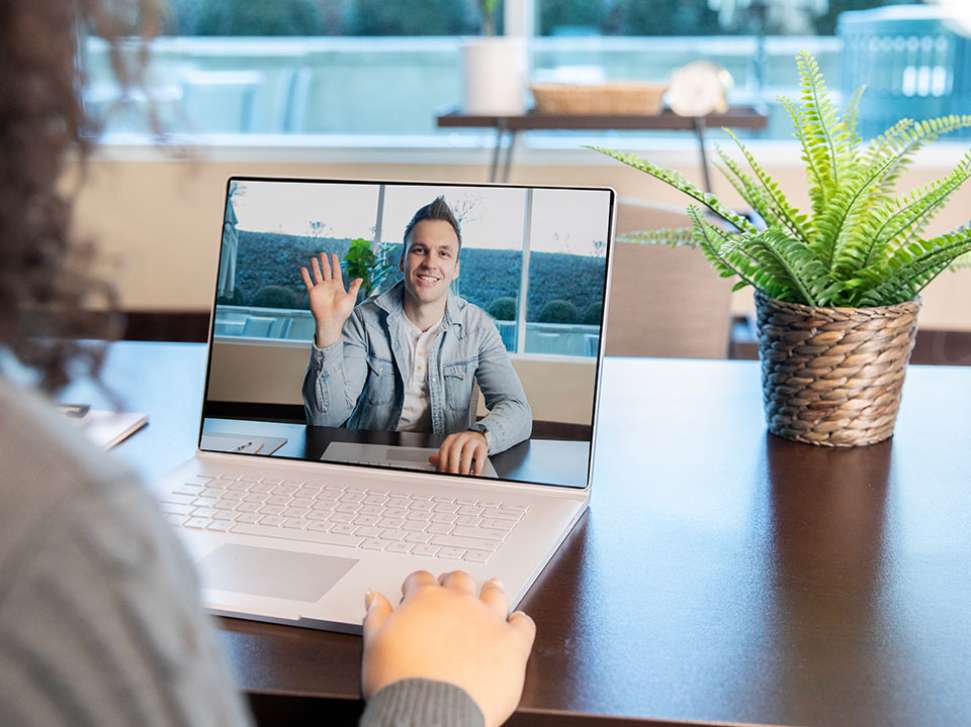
{"x": 721, "y": 576}
{"x": 739, "y": 117}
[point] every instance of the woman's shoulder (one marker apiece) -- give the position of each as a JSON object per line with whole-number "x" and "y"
{"x": 47, "y": 459}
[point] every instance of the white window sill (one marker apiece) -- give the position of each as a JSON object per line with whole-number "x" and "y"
{"x": 456, "y": 149}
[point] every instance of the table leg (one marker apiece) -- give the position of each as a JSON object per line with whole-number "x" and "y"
{"x": 496, "y": 150}
{"x": 507, "y": 163}
{"x": 699, "y": 124}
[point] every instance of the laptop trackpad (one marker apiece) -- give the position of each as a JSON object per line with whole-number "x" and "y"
{"x": 285, "y": 574}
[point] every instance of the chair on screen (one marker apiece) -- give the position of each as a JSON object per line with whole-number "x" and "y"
{"x": 664, "y": 301}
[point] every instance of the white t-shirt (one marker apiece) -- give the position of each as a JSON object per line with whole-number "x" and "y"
{"x": 416, "y": 413}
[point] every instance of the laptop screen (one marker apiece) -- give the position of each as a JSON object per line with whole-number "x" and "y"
{"x": 439, "y": 328}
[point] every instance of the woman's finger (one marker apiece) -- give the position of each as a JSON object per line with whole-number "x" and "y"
{"x": 493, "y": 594}
{"x": 458, "y": 580}
{"x": 524, "y": 627}
{"x": 378, "y": 609}
{"x": 318, "y": 278}
{"x": 416, "y": 581}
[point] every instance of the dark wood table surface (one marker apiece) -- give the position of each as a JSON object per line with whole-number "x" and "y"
{"x": 721, "y": 575}
{"x": 736, "y": 117}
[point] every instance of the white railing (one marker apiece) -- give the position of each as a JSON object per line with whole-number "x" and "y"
{"x": 390, "y": 86}
{"x": 276, "y": 324}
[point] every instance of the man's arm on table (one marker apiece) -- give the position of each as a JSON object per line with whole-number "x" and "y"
{"x": 510, "y": 419}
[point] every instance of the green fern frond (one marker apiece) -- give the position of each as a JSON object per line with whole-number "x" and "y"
{"x": 747, "y": 188}
{"x": 677, "y": 181}
{"x": 898, "y": 222}
{"x": 670, "y": 237}
{"x": 904, "y": 139}
{"x": 709, "y": 242}
{"x": 788, "y": 216}
{"x": 847, "y": 206}
{"x": 864, "y": 190}
{"x": 852, "y": 113}
{"x": 743, "y": 255}
{"x": 828, "y": 139}
{"x": 911, "y": 268}
{"x": 962, "y": 263}
{"x": 818, "y": 186}
{"x": 803, "y": 268}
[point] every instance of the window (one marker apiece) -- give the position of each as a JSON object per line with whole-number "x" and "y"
{"x": 533, "y": 259}
{"x": 567, "y": 264}
{"x": 354, "y": 71}
{"x": 269, "y": 232}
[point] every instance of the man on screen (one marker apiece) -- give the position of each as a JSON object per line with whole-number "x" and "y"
{"x": 407, "y": 360}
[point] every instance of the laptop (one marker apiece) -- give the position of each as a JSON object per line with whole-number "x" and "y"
{"x": 315, "y": 479}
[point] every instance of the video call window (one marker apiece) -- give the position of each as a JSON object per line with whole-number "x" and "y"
{"x": 476, "y": 324}
{"x": 260, "y": 293}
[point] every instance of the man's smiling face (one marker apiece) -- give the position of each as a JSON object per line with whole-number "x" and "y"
{"x": 431, "y": 262}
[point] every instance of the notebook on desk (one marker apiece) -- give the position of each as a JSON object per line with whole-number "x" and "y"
{"x": 478, "y": 335}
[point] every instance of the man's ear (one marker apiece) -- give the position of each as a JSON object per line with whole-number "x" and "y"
{"x": 401, "y": 261}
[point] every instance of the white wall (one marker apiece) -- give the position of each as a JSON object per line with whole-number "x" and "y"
{"x": 159, "y": 221}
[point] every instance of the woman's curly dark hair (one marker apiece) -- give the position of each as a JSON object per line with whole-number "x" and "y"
{"x": 45, "y": 273}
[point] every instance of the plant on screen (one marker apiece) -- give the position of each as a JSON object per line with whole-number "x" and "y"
{"x": 862, "y": 245}
{"x": 361, "y": 261}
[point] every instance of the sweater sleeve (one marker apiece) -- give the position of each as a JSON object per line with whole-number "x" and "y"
{"x": 100, "y": 622}
{"x": 422, "y": 703}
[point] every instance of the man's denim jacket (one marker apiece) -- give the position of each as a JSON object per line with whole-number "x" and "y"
{"x": 359, "y": 381}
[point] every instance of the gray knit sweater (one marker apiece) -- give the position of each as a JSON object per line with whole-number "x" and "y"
{"x": 100, "y": 622}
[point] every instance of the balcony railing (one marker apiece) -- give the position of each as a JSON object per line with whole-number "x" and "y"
{"x": 274, "y": 324}
{"x": 393, "y": 86}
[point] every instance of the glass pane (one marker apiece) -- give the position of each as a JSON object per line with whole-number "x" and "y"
{"x": 269, "y": 232}
{"x": 491, "y": 259}
{"x": 323, "y": 17}
{"x": 696, "y": 17}
{"x": 567, "y": 264}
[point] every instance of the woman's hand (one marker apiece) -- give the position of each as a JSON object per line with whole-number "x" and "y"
{"x": 330, "y": 303}
{"x": 442, "y": 631}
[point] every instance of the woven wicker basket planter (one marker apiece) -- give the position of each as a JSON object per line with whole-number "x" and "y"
{"x": 833, "y": 376}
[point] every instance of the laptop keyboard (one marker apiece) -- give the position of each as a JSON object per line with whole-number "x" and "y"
{"x": 461, "y": 528}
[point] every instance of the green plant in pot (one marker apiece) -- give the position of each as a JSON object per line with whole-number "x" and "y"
{"x": 837, "y": 289}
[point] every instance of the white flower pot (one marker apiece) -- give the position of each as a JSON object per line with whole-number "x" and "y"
{"x": 494, "y": 74}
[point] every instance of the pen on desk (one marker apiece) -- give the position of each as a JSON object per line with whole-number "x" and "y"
{"x": 74, "y": 410}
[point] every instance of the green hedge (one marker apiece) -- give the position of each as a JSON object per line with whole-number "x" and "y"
{"x": 269, "y": 260}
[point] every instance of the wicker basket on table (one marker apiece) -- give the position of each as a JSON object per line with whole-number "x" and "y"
{"x": 833, "y": 376}
{"x": 619, "y": 98}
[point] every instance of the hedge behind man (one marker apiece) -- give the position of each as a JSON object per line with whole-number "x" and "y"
{"x": 407, "y": 360}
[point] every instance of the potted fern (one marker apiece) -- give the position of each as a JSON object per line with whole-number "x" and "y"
{"x": 837, "y": 291}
